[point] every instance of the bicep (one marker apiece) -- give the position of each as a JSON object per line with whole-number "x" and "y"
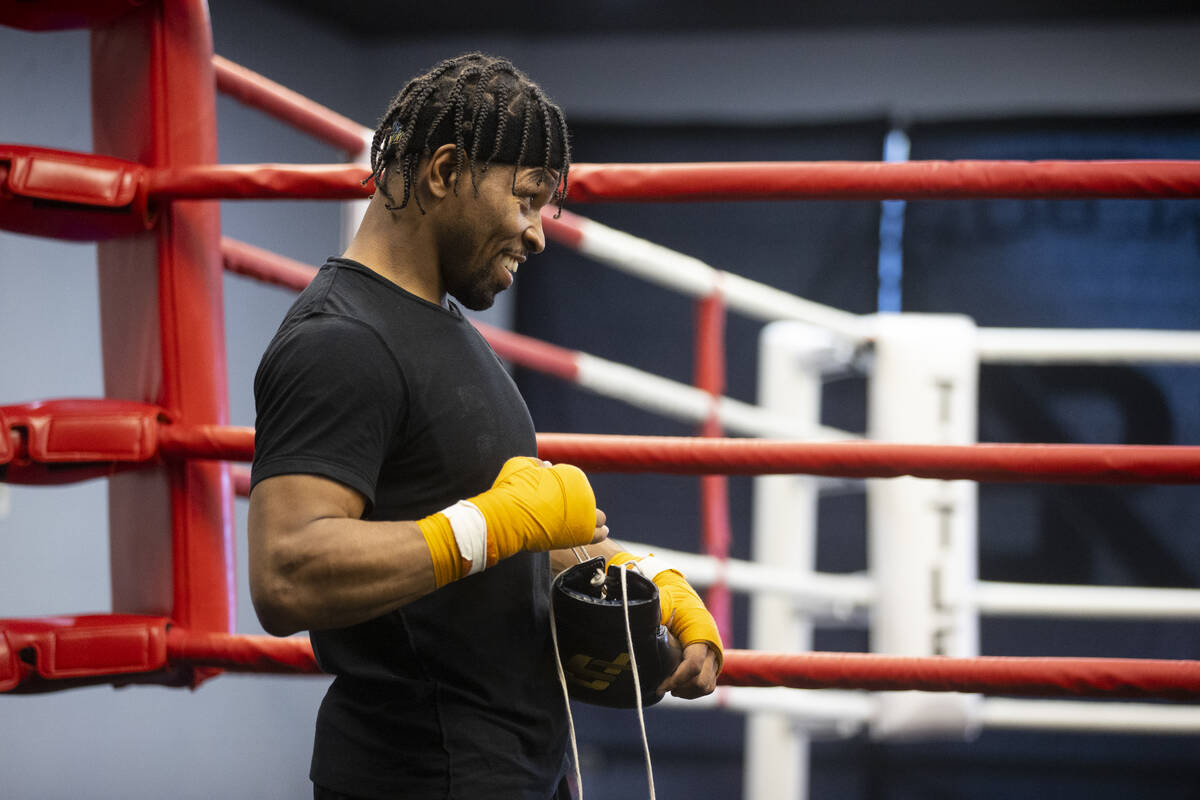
{"x": 281, "y": 508}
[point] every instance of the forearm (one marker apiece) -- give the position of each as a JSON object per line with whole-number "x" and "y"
{"x": 336, "y": 572}
{"x": 565, "y": 558}
{"x": 315, "y": 563}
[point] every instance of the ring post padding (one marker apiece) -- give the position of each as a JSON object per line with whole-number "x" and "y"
{"x": 49, "y": 653}
{"x": 792, "y": 358}
{"x": 162, "y": 319}
{"x": 921, "y": 533}
{"x": 73, "y": 196}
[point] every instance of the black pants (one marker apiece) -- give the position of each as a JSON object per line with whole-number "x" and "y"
{"x": 321, "y": 793}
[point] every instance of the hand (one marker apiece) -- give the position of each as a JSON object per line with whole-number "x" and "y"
{"x": 684, "y": 615}
{"x": 688, "y": 620}
{"x": 601, "y": 528}
{"x": 532, "y": 506}
{"x": 696, "y": 675}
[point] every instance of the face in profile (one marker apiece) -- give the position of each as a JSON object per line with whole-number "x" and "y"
{"x": 494, "y": 228}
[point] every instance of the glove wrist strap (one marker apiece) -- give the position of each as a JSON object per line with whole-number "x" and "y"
{"x": 651, "y": 566}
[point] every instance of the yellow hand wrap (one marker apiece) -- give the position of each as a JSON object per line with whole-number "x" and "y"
{"x": 529, "y": 507}
{"x": 683, "y": 612}
{"x": 535, "y": 507}
{"x": 448, "y": 563}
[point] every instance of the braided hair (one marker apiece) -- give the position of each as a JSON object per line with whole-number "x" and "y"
{"x": 490, "y": 110}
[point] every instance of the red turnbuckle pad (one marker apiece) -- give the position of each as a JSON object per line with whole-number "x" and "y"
{"x": 62, "y": 441}
{"x": 67, "y": 195}
{"x": 36, "y": 652}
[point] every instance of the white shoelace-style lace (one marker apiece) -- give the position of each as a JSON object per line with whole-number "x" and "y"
{"x": 637, "y": 689}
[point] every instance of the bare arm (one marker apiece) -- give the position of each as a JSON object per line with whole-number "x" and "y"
{"x": 314, "y": 564}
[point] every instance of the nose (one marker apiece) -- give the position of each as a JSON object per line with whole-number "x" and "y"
{"x": 535, "y": 239}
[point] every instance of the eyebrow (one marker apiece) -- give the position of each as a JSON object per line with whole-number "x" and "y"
{"x": 540, "y": 176}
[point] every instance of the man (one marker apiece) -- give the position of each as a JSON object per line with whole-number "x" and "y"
{"x": 398, "y": 511}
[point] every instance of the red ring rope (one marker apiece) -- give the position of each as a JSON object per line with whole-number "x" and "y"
{"x": 94, "y": 432}
{"x": 881, "y": 181}
{"x": 264, "y": 265}
{"x": 1090, "y": 677}
{"x": 733, "y": 181}
{"x": 260, "y": 182}
{"x": 1108, "y": 677}
{"x": 241, "y": 653}
{"x": 291, "y": 107}
{"x": 1006, "y": 463}
{"x": 1057, "y": 463}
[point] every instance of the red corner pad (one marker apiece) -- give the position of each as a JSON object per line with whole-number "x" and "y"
{"x": 69, "y": 195}
{"x": 69, "y": 648}
{"x": 41, "y": 437}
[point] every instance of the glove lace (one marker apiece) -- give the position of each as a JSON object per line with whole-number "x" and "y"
{"x": 637, "y": 690}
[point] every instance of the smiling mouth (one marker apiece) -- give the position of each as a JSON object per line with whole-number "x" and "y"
{"x": 511, "y": 262}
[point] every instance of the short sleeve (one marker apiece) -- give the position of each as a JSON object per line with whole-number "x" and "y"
{"x": 329, "y": 398}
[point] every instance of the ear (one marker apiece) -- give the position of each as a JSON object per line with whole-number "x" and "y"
{"x": 438, "y": 174}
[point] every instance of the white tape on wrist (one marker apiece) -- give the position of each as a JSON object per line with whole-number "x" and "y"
{"x": 651, "y": 566}
{"x": 470, "y": 532}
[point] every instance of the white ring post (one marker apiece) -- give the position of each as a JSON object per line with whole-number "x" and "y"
{"x": 792, "y": 358}
{"x": 921, "y": 533}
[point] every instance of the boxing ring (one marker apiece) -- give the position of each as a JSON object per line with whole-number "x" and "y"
{"x": 161, "y": 440}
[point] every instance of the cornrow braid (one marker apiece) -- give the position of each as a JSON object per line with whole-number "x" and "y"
{"x": 525, "y": 125}
{"x": 469, "y": 101}
{"x": 503, "y": 95}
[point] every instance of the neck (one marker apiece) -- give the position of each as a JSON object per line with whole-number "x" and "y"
{"x": 398, "y": 245}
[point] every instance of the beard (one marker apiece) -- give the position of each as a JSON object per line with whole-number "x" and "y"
{"x": 476, "y": 290}
{"x": 476, "y": 301}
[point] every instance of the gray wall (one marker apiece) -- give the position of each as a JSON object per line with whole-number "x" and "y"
{"x": 250, "y": 736}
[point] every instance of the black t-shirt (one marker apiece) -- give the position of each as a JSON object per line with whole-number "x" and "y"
{"x": 454, "y": 695}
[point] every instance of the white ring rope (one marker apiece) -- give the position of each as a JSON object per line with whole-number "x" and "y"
{"x": 688, "y": 275}
{"x": 1089, "y": 717}
{"x": 690, "y": 404}
{"x": 691, "y": 276}
{"x": 1087, "y": 602}
{"x": 838, "y": 714}
{"x": 1096, "y": 346}
{"x": 847, "y": 597}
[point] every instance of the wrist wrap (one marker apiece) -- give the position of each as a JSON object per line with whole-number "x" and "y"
{"x": 683, "y": 612}
{"x": 529, "y": 507}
